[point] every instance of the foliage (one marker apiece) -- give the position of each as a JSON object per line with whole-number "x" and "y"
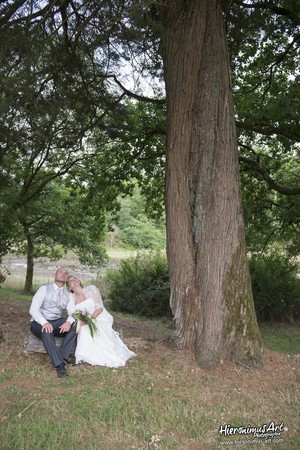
{"x": 65, "y": 105}
{"x": 141, "y": 233}
{"x": 43, "y": 124}
{"x": 135, "y": 228}
{"x": 141, "y": 286}
{"x": 276, "y": 287}
{"x": 54, "y": 129}
{"x": 265, "y": 77}
{"x": 57, "y": 220}
{"x": 50, "y": 217}
{"x": 131, "y": 154}
{"x": 58, "y": 135}
{"x": 271, "y": 219}
{"x": 140, "y": 282}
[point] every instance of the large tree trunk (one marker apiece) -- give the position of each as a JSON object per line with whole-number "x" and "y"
{"x": 211, "y": 295}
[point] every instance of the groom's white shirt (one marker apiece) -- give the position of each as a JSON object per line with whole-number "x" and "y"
{"x": 45, "y": 305}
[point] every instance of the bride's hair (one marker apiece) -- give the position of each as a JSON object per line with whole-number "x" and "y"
{"x": 80, "y": 283}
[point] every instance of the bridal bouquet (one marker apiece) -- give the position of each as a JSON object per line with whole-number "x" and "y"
{"x": 84, "y": 316}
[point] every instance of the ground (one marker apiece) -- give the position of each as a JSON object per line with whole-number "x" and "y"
{"x": 273, "y": 388}
{"x": 144, "y": 337}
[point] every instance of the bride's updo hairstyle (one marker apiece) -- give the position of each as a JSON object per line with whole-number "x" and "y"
{"x": 80, "y": 283}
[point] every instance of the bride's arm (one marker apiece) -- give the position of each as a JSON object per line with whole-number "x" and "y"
{"x": 97, "y": 312}
{"x": 96, "y": 296}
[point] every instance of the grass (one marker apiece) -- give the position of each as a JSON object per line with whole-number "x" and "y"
{"x": 124, "y": 409}
{"x": 116, "y": 411}
{"x": 17, "y": 282}
{"x": 120, "y": 253}
{"x": 160, "y": 400}
{"x": 281, "y": 337}
{"x": 14, "y": 294}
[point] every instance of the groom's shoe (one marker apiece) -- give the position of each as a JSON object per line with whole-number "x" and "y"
{"x": 61, "y": 371}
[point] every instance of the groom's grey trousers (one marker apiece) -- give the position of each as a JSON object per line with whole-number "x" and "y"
{"x": 57, "y": 355}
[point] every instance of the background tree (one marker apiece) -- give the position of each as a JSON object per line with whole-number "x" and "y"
{"x": 57, "y": 221}
{"x": 48, "y": 111}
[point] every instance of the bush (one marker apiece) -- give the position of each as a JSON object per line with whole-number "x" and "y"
{"x": 141, "y": 286}
{"x": 276, "y": 288}
{"x": 142, "y": 233}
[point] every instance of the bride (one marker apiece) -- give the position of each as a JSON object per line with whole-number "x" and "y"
{"x": 104, "y": 348}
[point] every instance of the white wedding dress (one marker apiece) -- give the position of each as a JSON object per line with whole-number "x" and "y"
{"x": 105, "y": 348}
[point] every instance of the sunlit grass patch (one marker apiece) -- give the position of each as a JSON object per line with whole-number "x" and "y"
{"x": 281, "y": 337}
{"x": 14, "y": 294}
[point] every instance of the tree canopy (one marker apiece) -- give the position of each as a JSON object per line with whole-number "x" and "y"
{"x": 64, "y": 78}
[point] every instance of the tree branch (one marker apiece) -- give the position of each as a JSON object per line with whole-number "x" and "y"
{"x": 9, "y": 10}
{"x": 256, "y": 167}
{"x": 267, "y": 130}
{"x": 272, "y": 7}
{"x": 41, "y": 13}
{"x": 136, "y": 96}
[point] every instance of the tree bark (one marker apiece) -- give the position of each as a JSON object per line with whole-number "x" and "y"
{"x": 211, "y": 295}
{"x": 30, "y": 263}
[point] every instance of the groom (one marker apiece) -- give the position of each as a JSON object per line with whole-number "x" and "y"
{"x": 47, "y": 308}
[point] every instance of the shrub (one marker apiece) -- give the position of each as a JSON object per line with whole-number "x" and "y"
{"x": 142, "y": 233}
{"x": 276, "y": 287}
{"x": 141, "y": 286}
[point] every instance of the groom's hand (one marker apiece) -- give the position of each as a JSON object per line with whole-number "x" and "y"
{"x": 65, "y": 327}
{"x": 47, "y": 327}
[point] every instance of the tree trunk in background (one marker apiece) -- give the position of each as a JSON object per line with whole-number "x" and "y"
{"x": 30, "y": 263}
{"x": 211, "y": 294}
